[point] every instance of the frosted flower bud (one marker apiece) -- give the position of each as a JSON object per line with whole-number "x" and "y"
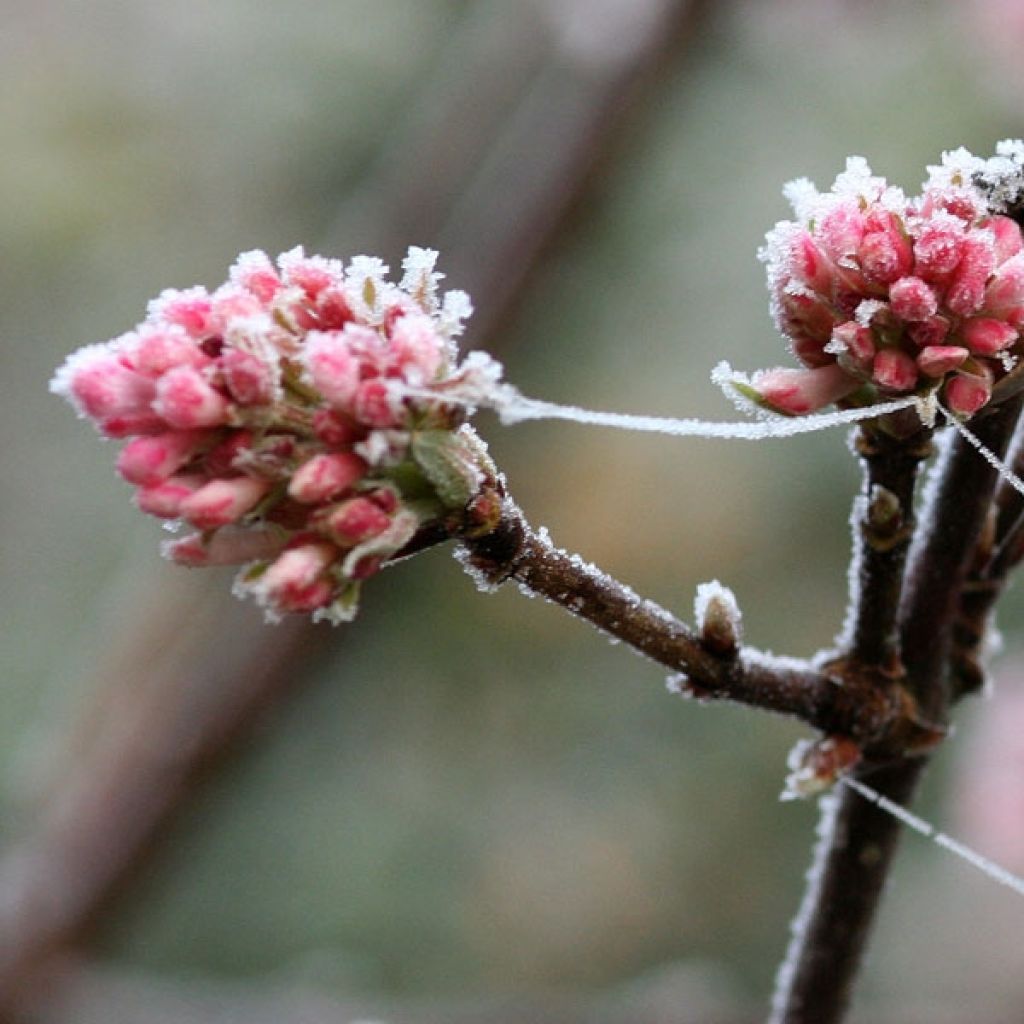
{"x": 249, "y": 379}
{"x": 841, "y": 231}
{"x": 911, "y": 299}
{"x": 932, "y": 331}
{"x": 885, "y": 254}
{"x": 414, "y": 350}
{"x": 184, "y": 399}
{"x": 938, "y": 360}
{"x": 333, "y": 362}
{"x": 102, "y": 386}
{"x": 1004, "y": 294}
{"x": 809, "y": 264}
{"x": 220, "y": 502}
{"x": 295, "y": 581}
{"x": 965, "y": 395}
{"x": 157, "y": 349}
{"x": 164, "y": 498}
{"x": 937, "y": 249}
{"x": 147, "y": 460}
{"x": 227, "y": 546}
{"x": 924, "y": 278}
{"x": 191, "y": 310}
{"x": 858, "y": 341}
{"x": 292, "y": 410}
{"x": 254, "y": 272}
{"x": 325, "y": 476}
{"x": 797, "y": 392}
{"x": 355, "y": 521}
{"x": 894, "y": 370}
{"x": 1007, "y": 237}
{"x": 985, "y": 336}
{"x": 966, "y": 291}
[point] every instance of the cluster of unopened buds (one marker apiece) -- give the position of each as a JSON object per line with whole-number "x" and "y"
{"x": 307, "y": 419}
{"x": 882, "y": 296}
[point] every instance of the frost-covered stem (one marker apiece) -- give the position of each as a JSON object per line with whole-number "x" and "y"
{"x": 883, "y": 524}
{"x": 513, "y": 551}
{"x": 857, "y": 840}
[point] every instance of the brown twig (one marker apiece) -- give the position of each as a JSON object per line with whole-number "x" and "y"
{"x": 514, "y": 551}
{"x": 858, "y": 840}
{"x": 883, "y": 526}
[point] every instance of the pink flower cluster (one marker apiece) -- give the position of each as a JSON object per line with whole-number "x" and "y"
{"x": 881, "y": 295}
{"x": 306, "y": 418}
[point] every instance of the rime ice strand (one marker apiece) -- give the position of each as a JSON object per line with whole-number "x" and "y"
{"x": 881, "y": 295}
{"x": 306, "y": 419}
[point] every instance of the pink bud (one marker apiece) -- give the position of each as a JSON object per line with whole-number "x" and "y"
{"x": 157, "y": 349}
{"x": 147, "y": 460}
{"x": 334, "y": 429}
{"x": 808, "y": 264}
{"x": 938, "y": 360}
{"x": 186, "y": 400}
{"x": 937, "y": 248}
{"x": 164, "y": 499}
{"x": 1008, "y": 237}
{"x": 310, "y": 273}
{"x": 254, "y": 272}
{"x": 325, "y": 476}
{"x": 807, "y": 321}
{"x": 131, "y": 425}
{"x": 332, "y": 309}
{"x": 227, "y": 546}
{"x": 376, "y": 404}
{"x": 911, "y": 299}
{"x": 251, "y": 380}
{"x": 985, "y": 336}
{"x": 97, "y": 381}
{"x": 859, "y": 341}
{"x": 318, "y": 594}
{"x": 333, "y": 367}
{"x": 802, "y": 391}
{"x": 840, "y": 231}
{"x": 416, "y": 350}
{"x": 189, "y": 310}
{"x": 1004, "y": 296}
{"x": 956, "y": 200}
{"x": 220, "y": 502}
{"x": 885, "y": 254}
{"x": 894, "y": 370}
{"x": 293, "y": 582}
{"x": 966, "y": 395}
{"x": 929, "y": 332}
{"x": 231, "y": 303}
{"x": 220, "y": 460}
{"x": 355, "y": 521}
{"x": 977, "y": 261}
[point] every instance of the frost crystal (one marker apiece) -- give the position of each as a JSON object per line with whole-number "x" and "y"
{"x": 305, "y": 419}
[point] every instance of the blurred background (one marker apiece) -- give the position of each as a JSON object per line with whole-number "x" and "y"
{"x": 462, "y": 807}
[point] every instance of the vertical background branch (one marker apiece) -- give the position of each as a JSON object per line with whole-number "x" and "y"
{"x": 858, "y": 840}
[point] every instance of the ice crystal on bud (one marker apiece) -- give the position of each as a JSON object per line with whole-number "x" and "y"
{"x": 306, "y": 418}
{"x": 882, "y": 295}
